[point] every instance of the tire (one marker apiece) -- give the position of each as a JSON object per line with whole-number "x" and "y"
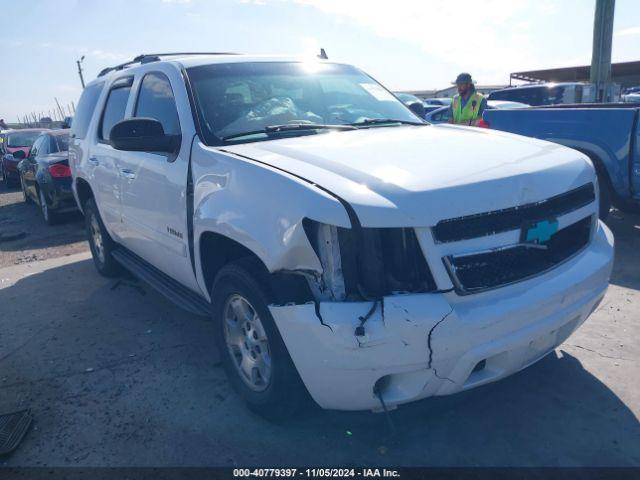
{"x": 240, "y": 289}
{"x": 6, "y": 180}
{"x": 25, "y": 196}
{"x": 100, "y": 242}
{"x": 605, "y": 198}
{"x": 49, "y": 216}
{"x": 628, "y": 206}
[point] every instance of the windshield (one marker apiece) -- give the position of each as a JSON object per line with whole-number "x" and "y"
{"x": 238, "y": 98}
{"x": 22, "y": 139}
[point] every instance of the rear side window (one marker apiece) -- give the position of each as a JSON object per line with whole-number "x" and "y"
{"x": 114, "y": 108}
{"x": 84, "y": 112}
{"x": 59, "y": 143}
{"x": 156, "y": 100}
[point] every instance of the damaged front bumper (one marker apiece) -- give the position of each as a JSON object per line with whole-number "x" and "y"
{"x": 420, "y": 345}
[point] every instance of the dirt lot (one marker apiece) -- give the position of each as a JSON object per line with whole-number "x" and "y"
{"x": 24, "y": 237}
{"x": 116, "y": 376}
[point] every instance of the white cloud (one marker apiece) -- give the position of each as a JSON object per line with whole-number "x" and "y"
{"x": 465, "y": 33}
{"x": 627, "y": 31}
{"x": 176, "y": 1}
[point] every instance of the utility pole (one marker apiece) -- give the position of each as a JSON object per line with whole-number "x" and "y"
{"x": 80, "y": 70}
{"x": 602, "y": 42}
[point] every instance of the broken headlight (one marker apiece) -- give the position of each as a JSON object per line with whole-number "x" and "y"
{"x": 368, "y": 262}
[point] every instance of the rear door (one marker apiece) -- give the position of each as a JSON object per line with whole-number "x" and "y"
{"x": 103, "y": 163}
{"x": 154, "y": 197}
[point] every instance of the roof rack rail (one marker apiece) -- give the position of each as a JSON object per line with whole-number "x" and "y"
{"x": 155, "y": 57}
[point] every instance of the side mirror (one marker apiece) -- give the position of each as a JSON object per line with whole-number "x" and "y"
{"x": 142, "y": 135}
{"x": 19, "y": 155}
{"x": 417, "y": 108}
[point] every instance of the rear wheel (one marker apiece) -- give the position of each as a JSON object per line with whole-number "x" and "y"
{"x": 100, "y": 242}
{"x": 253, "y": 353}
{"x": 49, "y": 216}
{"x": 25, "y": 195}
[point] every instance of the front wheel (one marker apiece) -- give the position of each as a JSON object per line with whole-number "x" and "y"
{"x": 5, "y": 179}
{"x": 100, "y": 242}
{"x": 253, "y": 353}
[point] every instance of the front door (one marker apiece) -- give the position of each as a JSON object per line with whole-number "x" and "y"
{"x": 103, "y": 161}
{"x": 154, "y": 208}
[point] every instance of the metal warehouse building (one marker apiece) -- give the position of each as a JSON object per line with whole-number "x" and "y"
{"x": 625, "y": 74}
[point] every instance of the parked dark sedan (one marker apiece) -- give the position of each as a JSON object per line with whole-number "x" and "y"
{"x": 45, "y": 175}
{"x": 16, "y": 146}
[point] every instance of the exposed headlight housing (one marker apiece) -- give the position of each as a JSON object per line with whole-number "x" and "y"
{"x": 368, "y": 262}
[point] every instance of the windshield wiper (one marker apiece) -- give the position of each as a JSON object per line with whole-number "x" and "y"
{"x": 377, "y": 121}
{"x": 290, "y": 127}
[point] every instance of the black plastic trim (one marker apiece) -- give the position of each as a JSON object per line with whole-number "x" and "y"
{"x": 498, "y": 221}
{"x": 175, "y": 292}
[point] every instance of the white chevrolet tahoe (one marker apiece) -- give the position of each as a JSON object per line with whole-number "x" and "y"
{"x": 344, "y": 248}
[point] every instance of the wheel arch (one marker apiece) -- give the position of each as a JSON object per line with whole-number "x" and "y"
{"x": 83, "y": 192}
{"x": 215, "y": 250}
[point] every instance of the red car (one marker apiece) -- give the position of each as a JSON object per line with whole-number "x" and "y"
{"x": 16, "y": 141}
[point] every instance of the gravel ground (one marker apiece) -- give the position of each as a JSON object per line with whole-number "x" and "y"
{"x": 25, "y": 237}
{"x": 117, "y": 376}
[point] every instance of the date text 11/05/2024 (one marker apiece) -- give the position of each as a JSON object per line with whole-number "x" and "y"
{"x": 316, "y": 472}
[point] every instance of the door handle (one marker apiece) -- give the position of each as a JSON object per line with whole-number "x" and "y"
{"x": 126, "y": 173}
{"x": 94, "y": 161}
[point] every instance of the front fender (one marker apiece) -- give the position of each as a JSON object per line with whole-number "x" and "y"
{"x": 259, "y": 207}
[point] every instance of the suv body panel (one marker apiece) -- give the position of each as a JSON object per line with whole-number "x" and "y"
{"x": 260, "y": 194}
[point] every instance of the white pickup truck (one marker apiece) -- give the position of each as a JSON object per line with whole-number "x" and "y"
{"x": 344, "y": 248}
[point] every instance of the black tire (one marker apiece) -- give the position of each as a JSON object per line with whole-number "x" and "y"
{"x": 25, "y": 196}
{"x": 628, "y": 206}
{"x": 285, "y": 395}
{"x": 605, "y": 198}
{"x": 48, "y": 215}
{"x": 102, "y": 258}
{"x": 6, "y": 180}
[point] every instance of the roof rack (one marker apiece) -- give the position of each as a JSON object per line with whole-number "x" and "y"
{"x": 155, "y": 57}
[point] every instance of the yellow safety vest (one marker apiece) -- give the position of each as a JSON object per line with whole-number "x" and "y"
{"x": 466, "y": 115}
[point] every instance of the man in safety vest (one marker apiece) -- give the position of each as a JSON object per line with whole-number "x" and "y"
{"x": 467, "y": 107}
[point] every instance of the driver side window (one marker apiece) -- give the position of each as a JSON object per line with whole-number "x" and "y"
{"x": 156, "y": 101}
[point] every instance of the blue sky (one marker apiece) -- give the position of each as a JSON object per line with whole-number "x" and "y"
{"x": 405, "y": 44}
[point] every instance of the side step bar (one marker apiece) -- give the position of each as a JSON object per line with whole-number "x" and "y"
{"x": 172, "y": 290}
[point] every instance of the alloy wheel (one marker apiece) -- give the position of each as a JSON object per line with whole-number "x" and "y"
{"x": 247, "y": 342}
{"x": 43, "y": 205}
{"x": 96, "y": 238}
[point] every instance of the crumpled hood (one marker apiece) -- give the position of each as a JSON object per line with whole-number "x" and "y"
{"x": 416, "y": 176}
